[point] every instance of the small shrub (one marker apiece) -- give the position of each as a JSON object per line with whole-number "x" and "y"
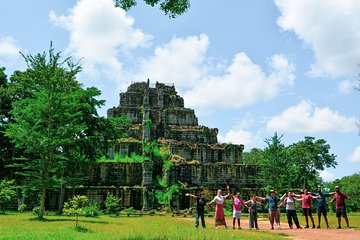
{"x": 112, "y": 204}
{"x": 22, "y": 208}
{"x": 36, "y": 211}
{"x": 93, "y": 210}
{"x": 74, "y": 207}
{"x": 7, "y": 194}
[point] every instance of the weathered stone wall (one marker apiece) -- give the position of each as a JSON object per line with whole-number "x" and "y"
{"x": 121, "y": 174}
{"x": 214, "y": 175}
{"x": 208, "y": 153}
{"x": 195, "y": 134}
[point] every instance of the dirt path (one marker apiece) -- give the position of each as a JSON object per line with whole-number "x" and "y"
{"x": 299, "y": 234}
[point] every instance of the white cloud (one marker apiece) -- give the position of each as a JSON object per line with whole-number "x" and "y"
{"x": 98, "y": 32}
{"x": 242, "y": 84}
{"x": 9, "y": 47}
{"x": 9, "y": 52}
{"x": 330, "y": 28}
{"x": 238, "y": 137}
{"x": 306, "y": 118}
{"x": 327, "y": 176}
{"x": 346, "y": 87}
{"x": 181, "y": 61}
{"x": 355, "y": 156}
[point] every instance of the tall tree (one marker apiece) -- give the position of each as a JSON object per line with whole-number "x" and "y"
{"x": 310, "y": 156}
{"x": 172, "y": 8}
{"x": 277, "y": 168}
{"x": 53, "y": 121}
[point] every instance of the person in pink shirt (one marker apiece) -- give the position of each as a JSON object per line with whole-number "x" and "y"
{"x": 237, "y": 202}
{"x": 339, "y": 198}
{"x": 306, "y": 206}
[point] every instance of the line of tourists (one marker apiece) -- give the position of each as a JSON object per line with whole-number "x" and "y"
{"x": 288, "y": 199}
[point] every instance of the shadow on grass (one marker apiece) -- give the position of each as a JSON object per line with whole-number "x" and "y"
{"x": 82, "y": 229}
{"x": 65, "y": 220}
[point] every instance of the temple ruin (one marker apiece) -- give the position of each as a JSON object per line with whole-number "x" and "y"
{"x": 157, "y": 113}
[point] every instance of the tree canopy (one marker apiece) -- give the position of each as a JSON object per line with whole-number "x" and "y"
{"x": 291, "y": 167}
{"x": 172, "y": 8}
{"x": 55, "y": 122}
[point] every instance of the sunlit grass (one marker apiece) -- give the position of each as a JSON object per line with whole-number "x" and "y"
{"x": 26, "y": 226}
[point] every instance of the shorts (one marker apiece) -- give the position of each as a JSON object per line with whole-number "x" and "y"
{"x": 274, "y": 215}
{"x": 321, "y": 210}
{"x": 236, "y": 214}
{"x": 307, "y": 212}
{"x": 341, "y": 212}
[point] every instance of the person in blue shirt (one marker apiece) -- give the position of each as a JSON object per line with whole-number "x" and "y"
{"x": 321, "y": 205}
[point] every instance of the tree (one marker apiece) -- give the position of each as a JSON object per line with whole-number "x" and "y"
{"x": 53, "y": 123}
{"x": 7, "y": 194}
{"x": 310, "y": 156}
{"x": 277, "y": 168}
{"x": 172, "y": 8}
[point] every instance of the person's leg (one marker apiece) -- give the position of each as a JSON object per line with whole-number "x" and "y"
{"x": 296, "y": 220}
{"x": 238, "y": 220}
{"x": 347, "y": 221}
{"x": 234, "y": 220}
{"x": 338, "y": 215}
{"x": 251, "y": 219}
{"x": 255, "y": 221}
{"x": 271, "y": 217}
{"x": 312, "y": 219}
{"x": 202, "y": 216}
{"x": 319, "y": 216}
{"x": 197, "y": 219}
{"x": 325, "y": 217}
{"x": 277, "y": 218}
{"x": 305, "y": 211}
{"x": 288, "y": 216}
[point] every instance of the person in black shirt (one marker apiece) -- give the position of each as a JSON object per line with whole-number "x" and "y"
{"x": 200, "y": 208}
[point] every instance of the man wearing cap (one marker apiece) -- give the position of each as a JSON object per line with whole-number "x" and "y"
{"x": 339, "y": 198}
{"x": 274, "y": 213}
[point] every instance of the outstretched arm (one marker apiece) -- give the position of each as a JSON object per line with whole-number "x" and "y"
{"x": 283, "y": 196}
{"x": 298, "y": 199}
{"x": 261, "y": 198}
{"x": 281, "y": 204}
{"x": 190, "y": 195}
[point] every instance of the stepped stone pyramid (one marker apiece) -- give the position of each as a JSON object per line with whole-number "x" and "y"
{"x": 157, "y": 113}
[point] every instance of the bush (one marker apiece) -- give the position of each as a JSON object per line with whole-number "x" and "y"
{"x": 22, "y": 208}
{"x": 7, "y": 194}
{"x": 36, "y": 211}
{"x": 112, "y": 204}
{"x": 93, "y": 210}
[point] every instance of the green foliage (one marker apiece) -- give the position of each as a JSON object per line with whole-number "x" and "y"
{"x": 148, "y": 123}
{"x": 91, "y": 210}
{"x": 134, "y": 158}
{"x": 55, "y": 125}
{"x": 36, "y": 211}
{"x": 165, "y": 196}
{"x": 75, "y": 207}
{"x": 291, "y": 167}
{"x": 22, "y": 207}
{"x": 172, "y": 8}
{"x": 7, "y": 194}
{"x": 112, "y": 204}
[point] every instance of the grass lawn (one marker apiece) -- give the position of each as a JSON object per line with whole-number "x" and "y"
{"x": 27, "y": 226}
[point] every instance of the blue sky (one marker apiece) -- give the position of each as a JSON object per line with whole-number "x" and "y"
{"x": 248, "y": 68}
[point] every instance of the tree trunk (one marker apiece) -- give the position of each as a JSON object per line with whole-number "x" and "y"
{"x": 61, "y": 199}
{"x": 42, "y": 203}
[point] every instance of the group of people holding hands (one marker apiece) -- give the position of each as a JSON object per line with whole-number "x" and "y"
{"x": 288, "y": 199}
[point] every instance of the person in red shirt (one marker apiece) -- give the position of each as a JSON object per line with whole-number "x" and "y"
{"x": 306, "y": 206}
{"x": 339, "y": 198}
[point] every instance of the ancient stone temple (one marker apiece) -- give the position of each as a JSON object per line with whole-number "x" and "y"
{"x": 157, "y": 113}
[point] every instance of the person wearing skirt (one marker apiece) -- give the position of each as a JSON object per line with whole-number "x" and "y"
{"x": 219, "y": 209}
